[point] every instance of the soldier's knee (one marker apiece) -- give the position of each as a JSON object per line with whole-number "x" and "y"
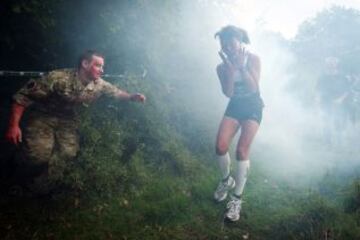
{"x": 37, "y": 155}
{"x": 69, "y": 151}
{"x": 68, "y": 143}
{"x": 38, "y": 148}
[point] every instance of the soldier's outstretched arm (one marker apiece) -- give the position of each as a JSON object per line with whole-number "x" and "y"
{"x": 123, "y": 95}
{"x": 117, "y": 93}
{"x": 138, "y": 97}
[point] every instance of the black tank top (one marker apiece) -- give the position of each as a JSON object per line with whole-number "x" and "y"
{"x": 241, "y": 89}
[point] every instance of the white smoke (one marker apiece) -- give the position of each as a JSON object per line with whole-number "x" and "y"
{"x": 291, "y": 142}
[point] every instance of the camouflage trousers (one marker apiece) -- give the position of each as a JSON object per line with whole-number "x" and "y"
{"x": 49, "y": 142}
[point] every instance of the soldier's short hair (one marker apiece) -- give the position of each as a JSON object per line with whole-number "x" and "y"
{"x": 228, "y": 32}
{"x": 87, "y": 55}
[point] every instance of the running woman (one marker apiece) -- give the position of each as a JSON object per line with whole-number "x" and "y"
{"x": 239, "y": 75}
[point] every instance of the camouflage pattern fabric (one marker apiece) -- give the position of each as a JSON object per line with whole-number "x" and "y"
{"x": 50, "y": 136}
{"x": 60, "y": 92}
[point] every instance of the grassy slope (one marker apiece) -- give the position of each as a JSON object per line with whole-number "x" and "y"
{"x": 170, "y": 207}
{"x": 139, "y": 178}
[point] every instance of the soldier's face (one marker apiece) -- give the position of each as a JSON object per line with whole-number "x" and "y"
{"x": 96, "y": 67}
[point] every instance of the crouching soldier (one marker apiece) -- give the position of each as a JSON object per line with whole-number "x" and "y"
{"x": 50, "y": 137}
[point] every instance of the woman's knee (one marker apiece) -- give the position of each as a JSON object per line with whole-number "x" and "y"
{"x": 242, "y": 152}
{"x": 221, "y": 148}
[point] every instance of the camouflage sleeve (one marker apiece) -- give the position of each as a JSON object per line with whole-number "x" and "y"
{"x": 110, "y": 90}
{"x": 33, "y": 90}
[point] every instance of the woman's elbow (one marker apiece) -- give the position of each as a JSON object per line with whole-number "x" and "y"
{"x": 227, "y": 92}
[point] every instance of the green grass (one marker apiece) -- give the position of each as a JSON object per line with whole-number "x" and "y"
{"x": 151, "y": 181}
{"x": 168, "y": 207}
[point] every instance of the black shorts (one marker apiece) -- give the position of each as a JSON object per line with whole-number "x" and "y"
{"x": 246, "y": 108}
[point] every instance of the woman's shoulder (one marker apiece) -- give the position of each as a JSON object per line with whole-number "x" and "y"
{"x": 253, "y": 60}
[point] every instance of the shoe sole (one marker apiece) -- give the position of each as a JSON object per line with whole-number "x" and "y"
{"x": 232, "y": 220}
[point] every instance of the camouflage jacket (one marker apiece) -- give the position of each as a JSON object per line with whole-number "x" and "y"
{"x": 60, "y": 92}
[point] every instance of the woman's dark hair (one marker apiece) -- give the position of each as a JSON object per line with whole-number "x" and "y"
{"x": 230, "y": 31}
{"x": 87, "y": 55}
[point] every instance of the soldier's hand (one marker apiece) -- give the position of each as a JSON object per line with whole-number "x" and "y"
{"x": 137, "y": 97}
{"x": 14, "y": 135}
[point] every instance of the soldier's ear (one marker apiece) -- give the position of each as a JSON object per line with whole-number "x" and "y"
{"x": 85, "y": 64}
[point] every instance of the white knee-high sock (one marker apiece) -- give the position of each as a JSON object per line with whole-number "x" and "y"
{"x": 224, "y": 164}
{"x": 241, "y": 173}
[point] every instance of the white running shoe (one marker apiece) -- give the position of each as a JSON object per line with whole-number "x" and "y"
{"x": 223, "y": 188}
{"x": 233, "y": 209}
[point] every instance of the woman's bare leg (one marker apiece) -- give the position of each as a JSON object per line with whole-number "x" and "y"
{"x": 249, "y": 129}
{"x": 227, "y": 129}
